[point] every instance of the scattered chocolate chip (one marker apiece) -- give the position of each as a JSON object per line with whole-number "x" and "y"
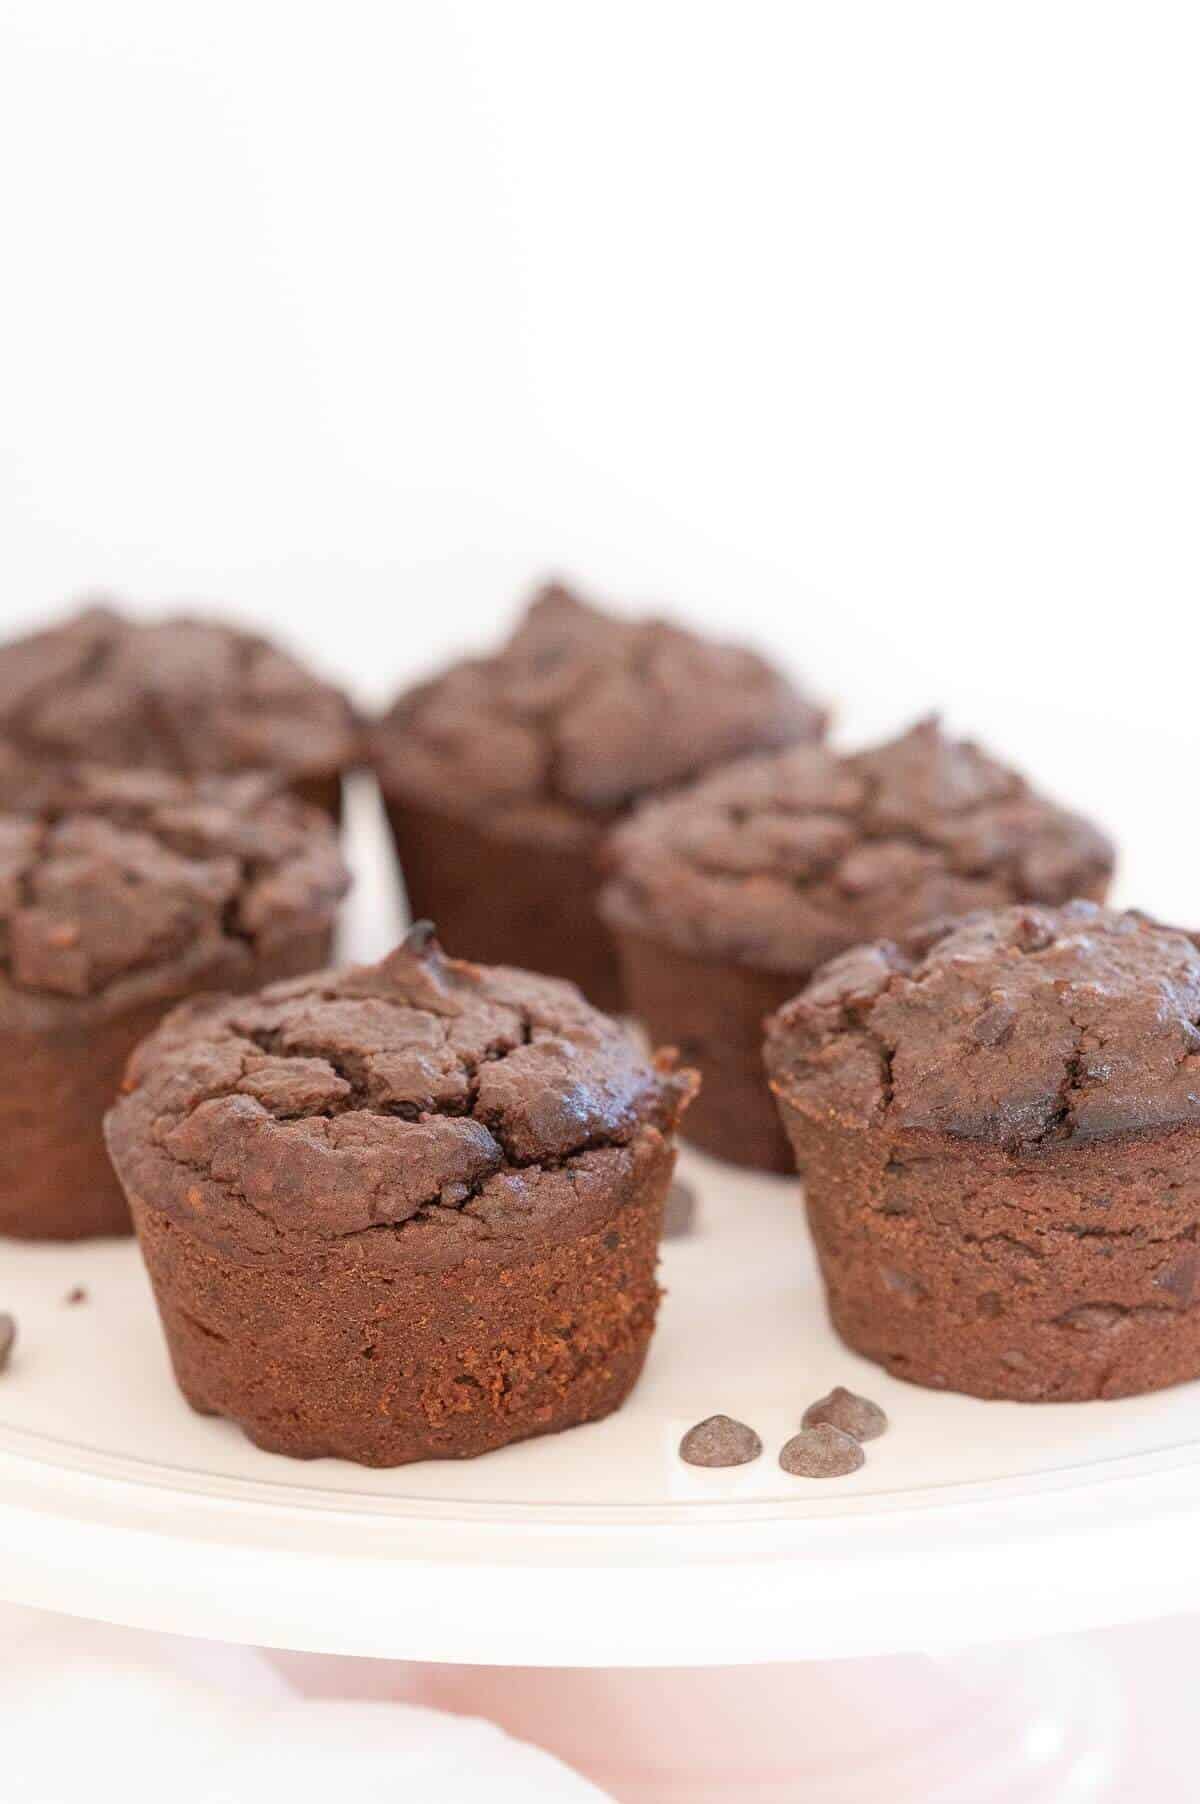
{"x": 76, "y": 1294}
{"x": 421, "y": 937}
{"x": 821, "y": 1452}
{"x": 846, "y": 1410}
{"x": 719, "y": 1441}
{"x": 8, "y": 1339}
{"x": 679, "y": 1218}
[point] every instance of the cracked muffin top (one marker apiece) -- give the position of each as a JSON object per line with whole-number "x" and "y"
{"x": 180, "y": 694}
{"x": 476, "y": 1101}
{"x": 579, "y": 715}
{"x": 1024, "y": 1026}
{"x": 783, "y": 861}
{"x": 107, "y": 876}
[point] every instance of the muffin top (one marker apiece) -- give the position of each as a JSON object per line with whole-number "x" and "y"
{"x": 180, "y": 694}
{"x": 475, "y": 1101}
{"x": 782, "y": 861}
{"x": 109, "y": 878}
{"x": 579, "y": 715}
{"x": 1022, "y": 1026}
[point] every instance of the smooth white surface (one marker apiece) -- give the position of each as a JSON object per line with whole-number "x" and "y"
{"x": 969, "y": 1521}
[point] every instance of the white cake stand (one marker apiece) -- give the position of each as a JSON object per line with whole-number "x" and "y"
{"x": 970, "y": 1525}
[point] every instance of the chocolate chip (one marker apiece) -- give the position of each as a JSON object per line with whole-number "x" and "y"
{"x": 901, "y": 1283}
{"x": 995, "y": 1025}
{"x": 1179, "y": 1277}
{"x": 846, "y": 1410}
{"x": 421, "y": 938}
{"x": 76, "y": 1294}
{"x": 679, "y": 1217}
{"x": 1092, "y": 1318}
{"x": 1032, "y": 933}
{"x": 821, "y": 1452}
{"x": 8, "y": 1339}
{"x": 719, "y": 1441}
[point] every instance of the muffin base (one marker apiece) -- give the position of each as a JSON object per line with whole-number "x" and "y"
{"x": 1057, "y": 1273}
{"x": 503, "y": 901}
{"x": 378, "y": 1353}
{"x": 714, "y": 1014}
{"x": 56, "y": 1182}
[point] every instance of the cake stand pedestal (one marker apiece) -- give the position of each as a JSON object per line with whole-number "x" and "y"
{"x": 1038, "y": 1725}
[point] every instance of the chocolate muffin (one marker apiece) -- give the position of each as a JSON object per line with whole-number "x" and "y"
{"x": 120, "y": 893}
{"x": 725, "y": 898}
{"x": 406, "y": 1212}
{"x": 1000, "y": 1131}
{"x": 183, "y": 695}
{"x": 502, "y": 776}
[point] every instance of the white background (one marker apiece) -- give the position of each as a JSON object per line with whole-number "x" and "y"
{"x": 867, "y": 330}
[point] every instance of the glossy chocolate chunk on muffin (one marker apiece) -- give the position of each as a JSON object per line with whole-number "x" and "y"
{"x": 120, "y": 893}
{"x": 182, "y": 694}
{"x": 999, "y": 1124}
{"x": 403, "y": 1212}
{"x": 502, "y": 775}
{"x": 726, "y": 897}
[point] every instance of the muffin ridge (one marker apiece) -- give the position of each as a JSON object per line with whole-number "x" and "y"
{"x": 421, "y": 1073}
{"x": 1040, "y": 999}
